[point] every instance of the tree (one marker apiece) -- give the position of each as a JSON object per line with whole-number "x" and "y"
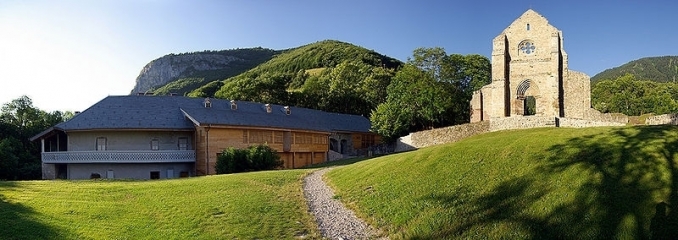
{"x": 432, "y": 90}
{"x": 630, "y": 96}
{"x": 253, "y": 158}
{"x": 20, "y": 120}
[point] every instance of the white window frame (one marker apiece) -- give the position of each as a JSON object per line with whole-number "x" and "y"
{"x": 183, "y": 145}
{"x": 155, "y": 145}
{"x": 101, "y": 144}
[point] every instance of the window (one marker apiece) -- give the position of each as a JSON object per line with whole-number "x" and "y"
{"x": 101, "y": 144}
{"x": 526, "y": 47}
{"x": 528, "y": 27}
{"x": 155, "y": 174}
{"x": 245, "y": 138}
{"x": 155, "y": 145}
{"x": 183, "y": 143}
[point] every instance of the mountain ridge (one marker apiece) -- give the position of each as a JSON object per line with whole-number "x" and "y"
{"x": 658, "y": 69}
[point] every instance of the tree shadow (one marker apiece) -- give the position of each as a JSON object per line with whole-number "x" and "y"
{"x": 20, "y": 222}
{"x": 616, "y": 185}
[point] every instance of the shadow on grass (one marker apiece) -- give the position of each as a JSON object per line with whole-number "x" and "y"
{"x": 624, "y": 186}
{"x": 19, "y": 222}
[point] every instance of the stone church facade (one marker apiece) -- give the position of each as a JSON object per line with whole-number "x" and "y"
{"x": 530, "y": 77}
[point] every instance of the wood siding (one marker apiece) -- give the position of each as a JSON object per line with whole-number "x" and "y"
{"x": 365, "y": 140}
{"x": 296, "y": 148}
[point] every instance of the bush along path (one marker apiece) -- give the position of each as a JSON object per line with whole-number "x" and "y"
{"x": 334, "y": 220}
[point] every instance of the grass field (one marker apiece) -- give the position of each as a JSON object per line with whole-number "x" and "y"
{"x": 550, "y": 183}
{"x": 262, "y": 205}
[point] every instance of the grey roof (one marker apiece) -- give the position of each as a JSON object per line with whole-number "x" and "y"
{"x": 174, "y": 112}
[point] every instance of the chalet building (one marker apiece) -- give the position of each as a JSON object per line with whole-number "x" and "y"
{"x": 154, "y": 137}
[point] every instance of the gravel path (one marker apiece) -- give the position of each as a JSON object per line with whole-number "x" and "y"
{"x": 334, "y": 220}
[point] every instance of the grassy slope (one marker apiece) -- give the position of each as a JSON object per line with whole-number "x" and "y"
{"x": 247, "y": 206}
{"x": 539, "y": 183}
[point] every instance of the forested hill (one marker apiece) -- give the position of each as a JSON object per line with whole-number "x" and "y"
{"x": 295, "y": 66}
{"x": 431, "y": 90}
{"x": 181, "y": 73}
{"x": 658, "y": 69}
{"x": 327, "y": 75}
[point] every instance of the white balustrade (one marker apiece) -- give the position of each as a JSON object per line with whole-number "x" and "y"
{"x": 119, "y": 156}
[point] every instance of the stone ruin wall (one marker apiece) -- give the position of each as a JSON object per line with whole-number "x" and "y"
{"x": 665, "y": 119}
{"x": 456, "y": 133}
{"x": 441, "y": 135}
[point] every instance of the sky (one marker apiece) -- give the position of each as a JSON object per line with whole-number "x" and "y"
{"x": 68, "y": 55}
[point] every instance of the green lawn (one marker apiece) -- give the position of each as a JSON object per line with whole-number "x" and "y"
{"x": 261, "y": 205}
{"x": 549, "y": 183}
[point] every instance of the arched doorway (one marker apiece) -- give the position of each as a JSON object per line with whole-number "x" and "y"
{"x": 526, "y": 98}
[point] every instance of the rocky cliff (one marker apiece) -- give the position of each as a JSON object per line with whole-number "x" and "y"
{"x": 210, "y": 65}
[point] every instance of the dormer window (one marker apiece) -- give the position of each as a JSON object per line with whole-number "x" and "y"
{"x": 208, "y": 103}
{"x": 234, "y": 106}
{"x": 267, "y": 107}
{"x": 287, "y": 110}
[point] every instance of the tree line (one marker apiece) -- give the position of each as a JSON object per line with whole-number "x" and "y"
{"x": 19, "y": 121}
{"x": 634, "y": 97}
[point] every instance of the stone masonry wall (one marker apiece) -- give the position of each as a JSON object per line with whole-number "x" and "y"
{"x": 595, "y": 115}
{"x": 441, "y": 135}
{"x": 521, "y": 122}
{"x": 665, "y": 119}
{"x": 582, "y": 123}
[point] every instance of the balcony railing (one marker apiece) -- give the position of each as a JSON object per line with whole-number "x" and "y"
{"x": 119, "y": 156}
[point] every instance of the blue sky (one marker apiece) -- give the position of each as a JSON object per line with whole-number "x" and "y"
{"x": 67, "y": 55}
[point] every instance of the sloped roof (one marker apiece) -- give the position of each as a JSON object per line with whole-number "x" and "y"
{"x": 174, "y": 112}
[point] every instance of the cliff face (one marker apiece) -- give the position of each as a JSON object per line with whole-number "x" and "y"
{"x": 172, "y": 67}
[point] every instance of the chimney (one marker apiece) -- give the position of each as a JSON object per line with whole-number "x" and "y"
{"x": 234, "y": 106}
{"x": 208, "y": 103}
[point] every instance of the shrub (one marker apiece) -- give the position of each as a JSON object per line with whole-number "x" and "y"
{"x": 254, "y": 158}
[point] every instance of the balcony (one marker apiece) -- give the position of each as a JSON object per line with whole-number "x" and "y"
{"x": 174, "y": 156}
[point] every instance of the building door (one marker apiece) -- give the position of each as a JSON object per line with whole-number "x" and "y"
{"x": 61, "y": 171}
{"x": 170, "y": 173}
{"x": 530, "y": 106}
{"x": 109, "y": 174}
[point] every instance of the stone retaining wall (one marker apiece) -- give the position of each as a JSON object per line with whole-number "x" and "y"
{"x": 455, "y": 133}
{"x": 664, "y": 119}
{"x": 521, "y": 122}
{"x": 441, "y": 135}
{"x": 582, "y": 123}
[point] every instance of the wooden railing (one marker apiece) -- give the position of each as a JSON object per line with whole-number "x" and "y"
{"x": 119, "y": 156}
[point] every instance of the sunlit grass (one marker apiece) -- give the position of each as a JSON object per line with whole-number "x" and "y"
{"x": 549, "y": 183}
{"x": 261, "y": 205}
